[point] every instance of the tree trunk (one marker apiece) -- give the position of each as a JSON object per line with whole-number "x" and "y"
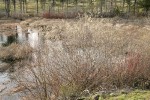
{"x": 37, "y": 6}
{"x": 123, "y": 5}
{"x": 23, "y": 6}
{"x": 91, "y": 6}
{"x": 111, "y": 6}
{"x": 135, "y": 7}
{"x": 20, "y": 1}
{"x": 101, "y": 4}
{"x": 26, "y": 6}
{"x": 129, "y": 9}
{"x": 53, "y": 4}
{"x": 62, "y": 5}
{"x": 14, "y": 4}
{"x": 76, "y": 2}
{"x": 43, "y": 2}
{"x": 7, "y": 7}
{"x": 115, "y": 3}
{"x": 67, "y": 7}
{"x": 106, "y": 5}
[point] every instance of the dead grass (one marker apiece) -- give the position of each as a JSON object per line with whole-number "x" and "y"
{"x": 8, "y": 27}
{"x": 15, "y": 52}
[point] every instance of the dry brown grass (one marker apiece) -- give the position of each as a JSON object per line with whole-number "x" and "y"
{"x": 8, "y": 27}
{"x": 15, "y": 52}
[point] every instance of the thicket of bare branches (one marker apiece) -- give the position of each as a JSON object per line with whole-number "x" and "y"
{"x": 87, "y": 55}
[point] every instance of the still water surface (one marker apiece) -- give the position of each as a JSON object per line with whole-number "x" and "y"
{"x": 6, "y": 83}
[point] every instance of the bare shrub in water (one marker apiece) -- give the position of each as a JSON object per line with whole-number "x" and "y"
{"x": 88, "y": 54}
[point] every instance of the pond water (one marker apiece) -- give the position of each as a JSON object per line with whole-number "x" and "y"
{"x": 32, "y": 37}
{"x": 6, "y": 83}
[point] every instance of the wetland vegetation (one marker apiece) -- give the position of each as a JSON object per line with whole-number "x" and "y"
{"x": 74, "y": 50}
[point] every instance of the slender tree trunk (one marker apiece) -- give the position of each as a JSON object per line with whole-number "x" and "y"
{"x": 84, "y": 6}
{"x": 26, "y": 6}
{"x": 53, "y": 4}
{"x": 123, "y": 5}
{"x": 101, "y": 5}
{"x": 43, "y": 2}
{"x": 7, "y": 7}
{"x": 111, "y": 5}
{"x": 49, "y": 6}
{"x": 129, "y": 9}
{"x": 147, "y": 9}
{"x": 76, "y": 2}
{"x": 67, "y": 7}
{"x": 135, "y": 6}
{"x": 58, "y": 9}
{"x": 106, "y": 5}
{"x": 62, "y": 5}
{"x": 37, "y": 6}
{"x": 14, "y": 4}
{"x": 97, "y": 7}
{"x": 91, "y": 6}
{"x": 115, "y": 3}
{"x": 20, "y": 1}
{"x": 23, "y": 6}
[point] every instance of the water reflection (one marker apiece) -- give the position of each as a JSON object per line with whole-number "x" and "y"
{"x": 10, "y": 39}
{"x": 3, "y": 38}
{"x": 20, "y": 36}
{"x": 32, "y": 37}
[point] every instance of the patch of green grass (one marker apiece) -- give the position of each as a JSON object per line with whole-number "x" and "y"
{"x": 134, "y": 95}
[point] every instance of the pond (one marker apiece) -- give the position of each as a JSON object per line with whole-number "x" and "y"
{"x": 6, "y": 83}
